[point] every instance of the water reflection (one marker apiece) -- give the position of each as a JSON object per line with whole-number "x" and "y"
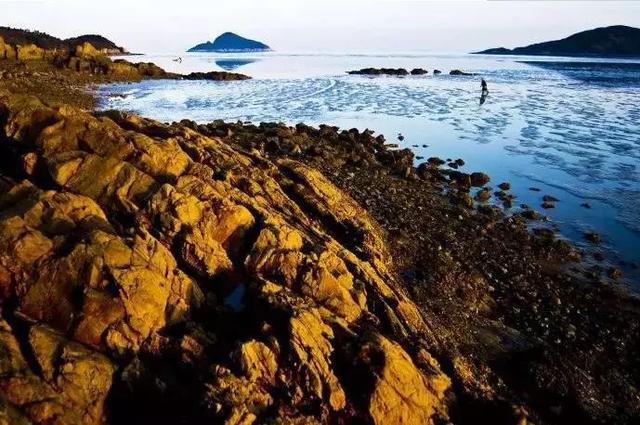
{"x": 568, "y": 128}
{"x": 233, "y": 64}
{"x": 619, "y": 74}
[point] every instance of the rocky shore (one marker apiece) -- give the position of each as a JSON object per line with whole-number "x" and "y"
{"x": 237, "y": 273}
{"x": 62, "y": 76}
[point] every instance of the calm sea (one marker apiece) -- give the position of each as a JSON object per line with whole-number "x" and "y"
{"x": 566, "y": 126}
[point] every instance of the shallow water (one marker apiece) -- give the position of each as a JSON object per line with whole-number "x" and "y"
{"x": 566, "y": 126}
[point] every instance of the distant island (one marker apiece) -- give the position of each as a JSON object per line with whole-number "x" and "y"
{"x": 45, "y": 41}
{"x": 614, "y": 41}
{"x": 231, "y": 43}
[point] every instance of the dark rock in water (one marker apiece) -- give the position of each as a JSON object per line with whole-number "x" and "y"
{"x": 460, "y": 162}
{"x": 617, "y": 41}
{"x": 435, "y": 160}
{"x": 586, "y": 205}
{"x": 216, "y": 76}
{"x": 530, "y": 214}
{"x": 400, "y": 137}
{"x": 483, "y": 195}
{"x": 548, "y": 205}
{"x": 549, "y": 198}
{"x": 437, "y": 72}
{"x": 593, "y": 237}
{"x": 479, "y": 179}
{"x": 229, "y": 43}
{"x": 504, "y": 186}
{"x": 458, "y": 72}
{"x": 453, "y": 165}
{"x": 462, "y": 180}
{"x": 534, "y": 189}
{"x": 502, "y": 195}
{"x": 544, "y": 233}
{"x": 429, "y": 172}
{"x": 419, "y": 71}
{"x": 399, "y": 72}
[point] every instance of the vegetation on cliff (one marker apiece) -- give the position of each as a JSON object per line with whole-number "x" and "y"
{"x": 45, "y": 41}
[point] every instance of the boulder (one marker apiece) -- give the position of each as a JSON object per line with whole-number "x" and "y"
{"x": 458, "y": 72}
{"x": 311, "y": 343}
{"x": 64, "y": 382}
{"x": 479, "y": 179}
{"x": 7, "y": 51}
{"x": 29, "y": 52}
{"x": 402, "y": 394}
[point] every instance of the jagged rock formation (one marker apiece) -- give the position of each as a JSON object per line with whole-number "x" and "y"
{"x": 175, "y": 276}
{"x": 104, "y": 45}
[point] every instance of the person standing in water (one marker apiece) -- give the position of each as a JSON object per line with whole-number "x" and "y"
{"x": 485, "y": 91}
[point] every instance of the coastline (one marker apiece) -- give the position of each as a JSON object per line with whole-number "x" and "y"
{"x": 496, "y": 299}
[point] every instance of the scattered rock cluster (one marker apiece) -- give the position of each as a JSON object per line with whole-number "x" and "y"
{"x": 401, "y": 72}
{"x": 398, "y": 72}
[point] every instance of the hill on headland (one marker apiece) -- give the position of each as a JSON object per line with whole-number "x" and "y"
{"x": 618, "y": 41}
{"x": 230, "y": 42}
{"x": 17, "y": 36}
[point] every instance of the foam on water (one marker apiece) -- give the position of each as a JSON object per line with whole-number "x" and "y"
{"x": 568, "y": 127}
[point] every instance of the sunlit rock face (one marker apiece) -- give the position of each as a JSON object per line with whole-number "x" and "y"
{"x": 150, "y": 271}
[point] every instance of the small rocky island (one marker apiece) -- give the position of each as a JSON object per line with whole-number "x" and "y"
{"x": 614, "y": 41}
{"x": 231, "y": 43}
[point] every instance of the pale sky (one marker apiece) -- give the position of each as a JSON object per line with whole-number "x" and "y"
{"x": 160, "y": 26}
